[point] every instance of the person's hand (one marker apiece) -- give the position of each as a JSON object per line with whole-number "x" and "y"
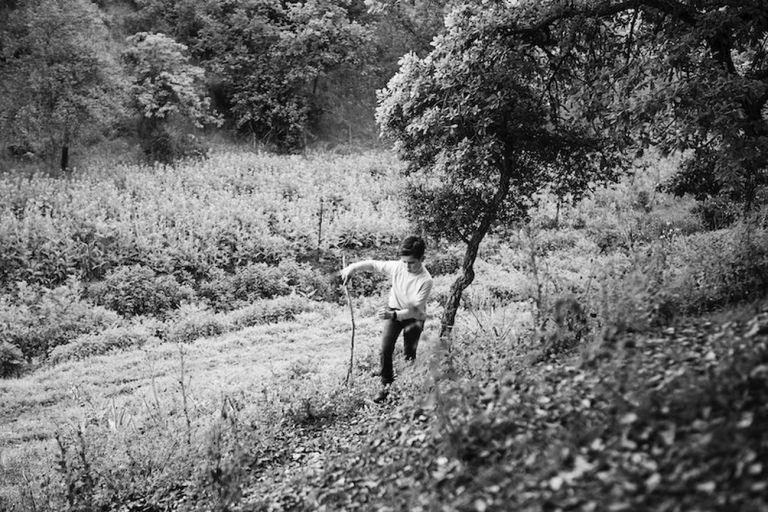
{"x": 384, "y": 314}
{"x": 345, "y": 272}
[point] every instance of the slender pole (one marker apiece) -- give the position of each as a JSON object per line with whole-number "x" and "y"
{"x": 348, "y": 378}
{"x": 320, "y": 229}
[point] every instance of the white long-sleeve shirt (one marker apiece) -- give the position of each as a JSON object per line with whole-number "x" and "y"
{"x": 410, "y": 291}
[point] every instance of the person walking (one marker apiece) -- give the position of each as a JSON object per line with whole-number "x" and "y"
{"x": 406, "y": 309}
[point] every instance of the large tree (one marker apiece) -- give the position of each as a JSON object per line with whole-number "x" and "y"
{"x": 689, "y": 76}
{"x": 57, "y": 77}
{"x": 483, "y": 131}
{"x": 164, "y": 86}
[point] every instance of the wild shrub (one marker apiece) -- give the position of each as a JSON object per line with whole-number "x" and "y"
{"x": 441, "y": 263}
{"x": 43, "y": 257}
{"x": 717, "y": 212}
{"x": 104, "y": 464}
{"x": 679, "y": 275}
{"x": 247, "y": 284}
{"x": 11, "y": 360}
{"x": 668, "y": 222}
{"x": 269, "y": 311}
{"x": 555, "y": 240}
{"x": 171, "y": 145}
{"x": 307, "y": 281}
{"x": 94, "y": 344}
{"x": 608, "y": 239}
{"x": 193, "y": 322}
{"x": 40, "y": 319}
{"x": 357, "y": 239}
{"x": 137, "y": 290}
{"x": 721, "y": 267}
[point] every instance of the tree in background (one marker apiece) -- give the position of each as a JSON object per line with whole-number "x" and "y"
{"x": 58, "y": 82}
{"x": 164, "y": 87}
{"x": 483, "y": 132}
{"x": 272, "y": 59}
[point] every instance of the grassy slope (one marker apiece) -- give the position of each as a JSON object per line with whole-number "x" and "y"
{"x": 127, "y": 385}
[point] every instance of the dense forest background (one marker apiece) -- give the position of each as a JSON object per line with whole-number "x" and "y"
{"x": 278, "y": 74}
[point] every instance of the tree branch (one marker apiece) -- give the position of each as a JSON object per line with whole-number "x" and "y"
{"x": 601, "y": 10}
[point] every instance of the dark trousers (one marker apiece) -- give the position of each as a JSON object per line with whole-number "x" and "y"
{"x": 411, "y": 329}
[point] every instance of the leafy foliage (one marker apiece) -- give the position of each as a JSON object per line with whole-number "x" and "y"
{"x": 95, "y": 344}
{"x": 58, "y": 81}
{"x": 293, "y": 74}
{"x": 247, "y": 284}
{"x": 164, "y": 86}
{"x": 281, "y": 309}
{"x": 138, "y": 290}
{"x": 40, "y": 319}
{"x": 676, "y": 75}
{"x": 11, "y": 360}
{"x": 193, "y": 322}
{"x": 195, "y": 221}
{"x": 481, "y": 135}
{"x": 269, "y": 58}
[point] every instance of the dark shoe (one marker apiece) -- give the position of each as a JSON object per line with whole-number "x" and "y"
{"x": 382, "y": 396}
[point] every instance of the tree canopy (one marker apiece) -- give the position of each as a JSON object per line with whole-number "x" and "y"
{"x": 58, "y": 79}
{"x": 164, "y": 85}
{"x": 683, "y": 76}
{"x": 483, "y": 133}
{"x": 519, "y": 96}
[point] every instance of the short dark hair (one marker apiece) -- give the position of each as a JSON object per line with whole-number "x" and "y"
{"x": 413, "y": 246}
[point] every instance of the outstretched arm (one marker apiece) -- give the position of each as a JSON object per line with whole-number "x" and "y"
{"x": 354, "y": 267}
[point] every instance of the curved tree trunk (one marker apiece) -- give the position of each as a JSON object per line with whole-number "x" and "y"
{"x": 470, "y": 255}
{"x": 461, "y": 284}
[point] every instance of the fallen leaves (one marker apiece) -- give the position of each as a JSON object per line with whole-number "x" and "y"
{"x": 681, "y": 415}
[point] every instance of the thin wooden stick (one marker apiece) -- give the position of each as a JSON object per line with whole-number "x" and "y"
{"x": 348, "y": 378}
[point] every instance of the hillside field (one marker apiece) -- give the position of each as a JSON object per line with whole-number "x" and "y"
{"x": 177, "y": 338}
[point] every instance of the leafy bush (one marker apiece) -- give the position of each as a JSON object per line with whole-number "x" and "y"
{"x": 269, "y": 311}
{"x": 11, "y": 360}
{"x": 307, "y": 281}
{"x": 94, "y": 344}
{"x": 443, "y": 263}
{"x": 718, "y": 268}
{"x": 192, "y": 322}
{"x": 169, "y": 146}
{"x": 138, "y": 290}
{"x": 608, "y": 240}
{"x": 246, "y": 285}
{"x": 680, "y": 275}
{"x": 193, "y": 219}
{"x": 359, "y": 237}
{"x": 39, "y": 319}
{"x": 556, "y": 240}
{"x": 717, "y": 212}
